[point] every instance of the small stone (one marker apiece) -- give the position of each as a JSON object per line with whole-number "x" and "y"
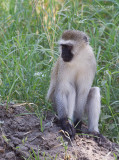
{"x": 16, "y": 141}
{"x": 23, "y": 153}
{"x": 2, "y": 150}
{"x": 23, "y": 148}
{"x": 73, "y": 152}
{"x": 19, "y": 135}
{"x": 10, "y": 155}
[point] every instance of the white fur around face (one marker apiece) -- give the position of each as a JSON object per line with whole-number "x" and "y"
{"x": 69, "y": 42}
{"x": 78, "y": 47}
{"x": 65, "y": 42}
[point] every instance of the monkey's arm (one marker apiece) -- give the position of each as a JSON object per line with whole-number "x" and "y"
{"x": 63, "y": 110}
{"x": 53, "y": 81}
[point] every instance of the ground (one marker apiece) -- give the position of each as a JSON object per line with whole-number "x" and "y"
{"x": 21, "y": 138}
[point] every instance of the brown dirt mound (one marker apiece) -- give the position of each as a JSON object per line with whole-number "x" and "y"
{"x": 21, "y": 138}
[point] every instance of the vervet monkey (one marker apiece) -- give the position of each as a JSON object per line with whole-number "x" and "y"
{"x": 71, "y": 80}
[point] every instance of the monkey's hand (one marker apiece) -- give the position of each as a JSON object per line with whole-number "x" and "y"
{"x": 66, "y": 126}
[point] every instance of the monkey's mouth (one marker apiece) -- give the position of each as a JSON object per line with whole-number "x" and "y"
{"x": 67, "y": 58}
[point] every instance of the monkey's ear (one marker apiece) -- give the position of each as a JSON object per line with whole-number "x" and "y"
{"x": 86, "y": 39}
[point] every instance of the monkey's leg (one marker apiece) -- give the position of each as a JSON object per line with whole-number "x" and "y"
{"x": 71, "y": 105}
{"x": 79, "y": 111}
{"x": 63, "y": 111}
{"x": 93, "y": 107}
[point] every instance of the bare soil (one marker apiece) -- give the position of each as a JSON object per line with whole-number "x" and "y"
{"x": 21, "y": 136}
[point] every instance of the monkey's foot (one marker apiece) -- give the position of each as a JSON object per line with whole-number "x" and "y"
{"x": 66, "y": 126}
{"x": 99, "y": 138}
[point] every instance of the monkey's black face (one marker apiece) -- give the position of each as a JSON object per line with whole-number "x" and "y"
{"x": 66, "y": 53}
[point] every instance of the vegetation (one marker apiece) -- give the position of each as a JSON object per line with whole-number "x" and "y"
{"x": 29, "y": 31}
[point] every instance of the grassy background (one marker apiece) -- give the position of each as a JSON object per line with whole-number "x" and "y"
{"x": 29, "y": 31}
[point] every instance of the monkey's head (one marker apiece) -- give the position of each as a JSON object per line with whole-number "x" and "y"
{"x": 70, "y": 42}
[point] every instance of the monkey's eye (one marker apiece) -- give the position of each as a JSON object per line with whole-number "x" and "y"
{"x": 67, "y": 46}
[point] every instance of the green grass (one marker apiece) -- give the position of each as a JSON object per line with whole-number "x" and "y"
{"x": 29, "y": 31}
